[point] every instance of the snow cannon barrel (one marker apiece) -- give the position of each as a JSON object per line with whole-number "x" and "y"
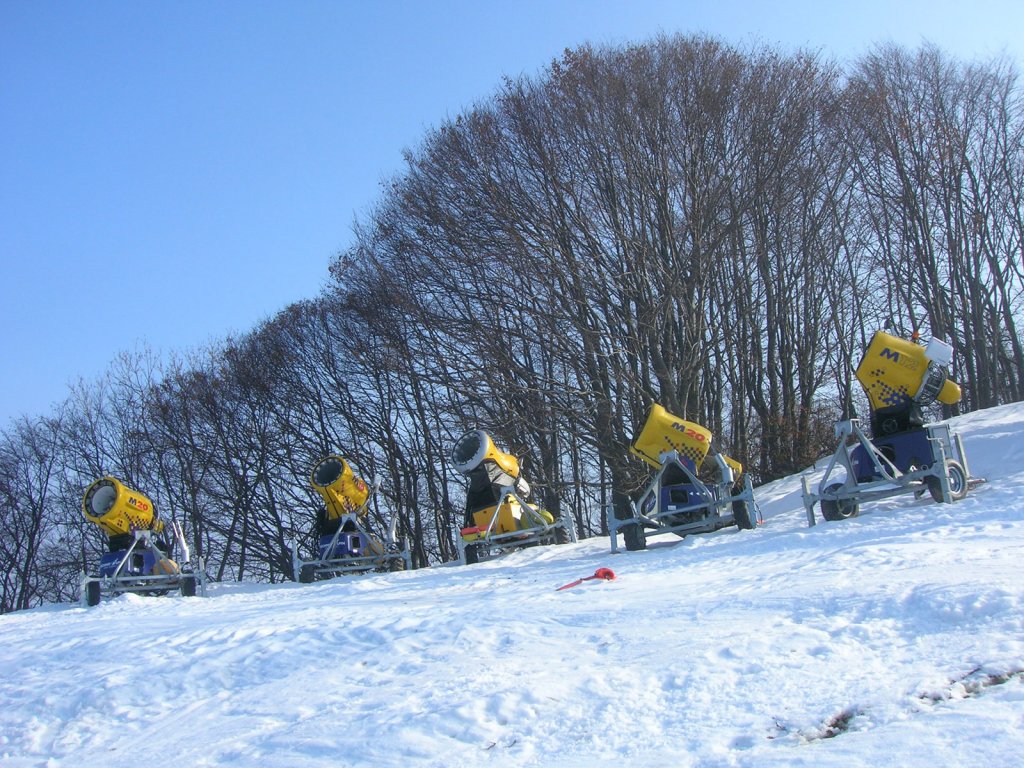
{"x": 476, "y": 447}
{"x": 342, "y": 490}
{"x": 476, "y": 453}
{"x": 900, "y": 376}
{"x": 117, "y": 509}
{"x": 664, "y": 432}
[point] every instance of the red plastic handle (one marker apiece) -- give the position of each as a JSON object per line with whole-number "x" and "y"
{"x": 601, "y": 573}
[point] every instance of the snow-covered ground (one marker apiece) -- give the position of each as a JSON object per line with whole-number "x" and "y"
{"x": 895, "y": 638}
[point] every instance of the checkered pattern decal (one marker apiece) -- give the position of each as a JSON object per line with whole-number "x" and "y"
{"x": 881, "y": 392}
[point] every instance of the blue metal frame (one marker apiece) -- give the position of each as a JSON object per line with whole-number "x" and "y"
{"x": 134, "y": 569}
{"x": 889, "y": 466}
{"x": 345, "y": 551}
{"x": 688, "y": 507}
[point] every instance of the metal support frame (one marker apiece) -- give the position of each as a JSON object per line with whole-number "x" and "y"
{"x": 541, "y": 532}
{"x": 889, "y": 481}
{"x": 337, "y": 566}
{"x": 717, "y": 511}
{"x": 120, "y": 582}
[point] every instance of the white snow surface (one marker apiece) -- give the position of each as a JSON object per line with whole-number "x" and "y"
{"x": 895, "y": 638}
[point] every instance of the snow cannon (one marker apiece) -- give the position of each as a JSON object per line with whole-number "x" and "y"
{"x": 677, "y": 500}
{"x": 663, "y": 433}
{"x": 118, "y": 510}
{"x": 498, "y": 517}
{"x": 345, "y": 544}
{"x": 342, "y": 491}
{"x": 476, "y": 456}
{"x": 903, "y": 454}
{"x": 900, "y": 377}
{"x": 140, "y": 547}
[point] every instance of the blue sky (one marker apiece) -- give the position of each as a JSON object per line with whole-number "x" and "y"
{"x": 172, "y": 173}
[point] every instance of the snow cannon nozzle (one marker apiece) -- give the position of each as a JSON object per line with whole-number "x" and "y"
{"x": 475, "y": 448}
{"x": 342, "y": 490}
{"x": 118, "y": 509}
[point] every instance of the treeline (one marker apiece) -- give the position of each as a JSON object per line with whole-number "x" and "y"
{"x": 716, "y": 229}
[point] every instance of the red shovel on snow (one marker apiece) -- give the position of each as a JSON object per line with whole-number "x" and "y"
{"x": 607, "y": 574}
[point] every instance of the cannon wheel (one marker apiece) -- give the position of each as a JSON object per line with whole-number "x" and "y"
{"x": 472, "y": 554}
{"x": 307, "y": 574}
{"x": 188, "y": 586}
{"x": 92, "y": 593}
{"x": 841, "y": 509}
{"x": 741, "y": 513}
{"x": 634, "y": 536}
{"x": 957, "y": 482}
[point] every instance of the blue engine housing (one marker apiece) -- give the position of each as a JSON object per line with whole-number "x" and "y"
{"x": 681, "y": 495}
{"x": 678, "y": 493}
{"x": 347, "y": 545}
{"x": 904, "y": 449}
{"x": 141, "y": 562}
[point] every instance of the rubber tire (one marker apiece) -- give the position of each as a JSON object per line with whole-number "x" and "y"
{"x": 957, "y": 482}
{"x": 307, "y": 574}
{"x": 838, "y": 510}
{"x": 396, "y": 564}
{"x": 188, "y": 586}
{"x": 472, "y": 554}
{"x": 561, "y": 535}
{"x": 741, "y": 513}
{"x": 92, "y": 593}
{"x": 634, "y": 536}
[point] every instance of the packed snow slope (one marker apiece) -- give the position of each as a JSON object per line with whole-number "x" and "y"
{"x": 895, "y": 638}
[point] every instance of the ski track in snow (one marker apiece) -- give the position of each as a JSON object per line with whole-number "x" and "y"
{"x": 894, "y": 638}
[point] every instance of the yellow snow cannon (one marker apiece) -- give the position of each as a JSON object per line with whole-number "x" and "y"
{"x": 903, "y": 454}
{"x": 677, "y": 500}
{"x": 343, "y": 492}
{"x": 663, "y": 433}
{"x": 489, "y": 470}
{"x": 118, "y": 510}
{"x": 900, "y": 376}
{"x": 140, "y": 547}
{"x": 345, "y": 544}
{"x": 498, "y": 516}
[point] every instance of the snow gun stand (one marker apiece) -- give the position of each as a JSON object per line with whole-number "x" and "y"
{"x": 677, "y": 501}
{"x": 479, "y": 543}
{"x": 351, "y": 549}
{"x": 927, "y": 459}
{"x": 143, "y": 568}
